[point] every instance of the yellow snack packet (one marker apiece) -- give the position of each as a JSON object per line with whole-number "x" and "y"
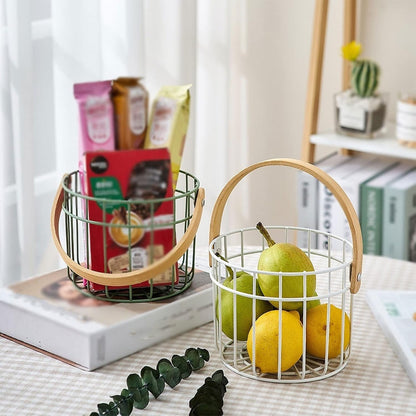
{"x": 169, "y": 123}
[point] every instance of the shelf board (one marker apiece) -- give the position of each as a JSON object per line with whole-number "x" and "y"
{"x": 386, "y": 144}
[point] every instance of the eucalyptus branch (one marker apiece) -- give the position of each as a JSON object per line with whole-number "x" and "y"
{"x": 151, "y": 380}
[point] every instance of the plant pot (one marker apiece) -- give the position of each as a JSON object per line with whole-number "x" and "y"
{"x": 406, "y": 120}
{"x": 357, "y": 116}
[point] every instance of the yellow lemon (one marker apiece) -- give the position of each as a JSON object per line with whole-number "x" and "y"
{"x": 267, "y": 341}
{"x": 316, "y": 327}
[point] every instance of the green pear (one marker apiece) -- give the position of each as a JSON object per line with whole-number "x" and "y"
{"x": 284, "y": 257}
{"x": 244, "y": 305}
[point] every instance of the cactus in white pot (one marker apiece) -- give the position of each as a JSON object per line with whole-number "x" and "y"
{"x": 360, "y": 111}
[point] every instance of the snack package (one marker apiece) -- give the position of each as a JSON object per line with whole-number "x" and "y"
{"x": 131, "y": 100}
{"x": 169, "y": 124}
{"x": 136, "y": 176}
{"x": 96, "y": 120}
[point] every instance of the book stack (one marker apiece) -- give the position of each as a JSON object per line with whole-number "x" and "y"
{"x": 49, "y": 314}
{"x": 382, "y": 191}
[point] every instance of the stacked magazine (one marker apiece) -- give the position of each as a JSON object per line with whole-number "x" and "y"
{"x": 395, "y": 312}
{"x": 48, "y": 314}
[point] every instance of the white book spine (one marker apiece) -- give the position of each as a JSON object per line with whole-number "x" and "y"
{"x": 307, "y": 207}
{"x": 329, "y": 213}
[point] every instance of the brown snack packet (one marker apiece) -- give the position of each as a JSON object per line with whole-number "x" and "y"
{"x": 130, "y": 100}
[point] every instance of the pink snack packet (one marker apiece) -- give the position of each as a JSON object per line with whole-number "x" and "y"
{"x": 96, "y": 120}
{"x": 96, "y": 126}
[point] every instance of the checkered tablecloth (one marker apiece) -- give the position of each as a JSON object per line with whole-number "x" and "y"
{"x": 373, "y": 382}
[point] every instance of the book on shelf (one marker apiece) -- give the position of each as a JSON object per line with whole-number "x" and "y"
{"x": 371, "y": 206}
{"x": 307, "y": 197}
{"x": 331, "y": 216}
{"x": 355, "y": 182}
{"x": 49, "y": 314}
{"x": 395, "y": 312}
{"x": 399, "y": 218}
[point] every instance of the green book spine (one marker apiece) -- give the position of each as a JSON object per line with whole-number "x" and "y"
{"x": 372, "y": 219}
{"x": 394, "y": 224}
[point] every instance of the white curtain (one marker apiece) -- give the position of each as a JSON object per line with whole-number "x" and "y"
{"x": 46, "y": 47}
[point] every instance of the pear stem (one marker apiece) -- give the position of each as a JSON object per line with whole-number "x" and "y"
{"x": 265, "y": 234}
{"x": 229, "y": 269}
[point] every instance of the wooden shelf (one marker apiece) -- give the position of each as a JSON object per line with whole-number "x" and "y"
{"x": 386, "y": 144}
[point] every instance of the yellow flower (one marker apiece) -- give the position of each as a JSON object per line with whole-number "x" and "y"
{"x": 351, "y": 51}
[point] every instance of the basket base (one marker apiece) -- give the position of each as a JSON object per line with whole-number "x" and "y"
{"x": 235, "y": 357}
{"x": 136, "y": 295}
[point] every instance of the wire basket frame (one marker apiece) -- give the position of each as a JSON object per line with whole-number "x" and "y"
{"x": 338, "y": 275}
{"x": 188, "y": 201}
{"x": 333, "y": 288}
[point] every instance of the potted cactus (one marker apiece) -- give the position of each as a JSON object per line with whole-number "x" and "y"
{"x": 360, "y": 111}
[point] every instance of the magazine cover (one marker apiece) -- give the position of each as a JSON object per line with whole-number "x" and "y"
{"x": 395, "y": 312}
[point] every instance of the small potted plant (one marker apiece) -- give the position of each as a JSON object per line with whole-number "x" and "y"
{"x": 360, "y": 111}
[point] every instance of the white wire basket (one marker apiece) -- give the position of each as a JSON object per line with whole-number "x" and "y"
{"x": 322, "y": 338}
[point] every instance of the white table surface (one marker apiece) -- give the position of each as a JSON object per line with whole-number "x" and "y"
{"x": 373, "y": 382}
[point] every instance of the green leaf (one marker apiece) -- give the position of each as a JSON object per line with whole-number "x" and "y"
{"x": 154, "y": 383}
{"x": 138, "y": 390}
{"x": 138, "y": 394}
{"x": 183, "y": 366}
{"x": 213, "y": 388}
{"x": 124, "y": 403}
{"x": 117, "y": 398}
{"x": 126, "y": 393}
{"x": 207, "y": 396}
{"x": 141, "y": 399}
{"x": 219, "y": 377}
{"x": 170, "y": 374}
{"x": 126, "y": 407}
{"x": 191, "y": 354}
{"x": 206, "y": 409}
{"x": 112, "y": 410}
{"x": 134, "y": 381}
{"x": 203, "y": 353}
{"x": 103, "y": 409}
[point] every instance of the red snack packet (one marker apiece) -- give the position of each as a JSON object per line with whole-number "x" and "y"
{"x": 136, "y": 176}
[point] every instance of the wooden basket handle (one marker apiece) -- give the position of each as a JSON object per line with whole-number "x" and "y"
{"x": 331, "y": 184}
{"x": 135, "y": 276}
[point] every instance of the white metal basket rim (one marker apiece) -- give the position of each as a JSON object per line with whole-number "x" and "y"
{"x": 288, "y": 227}
{"x": 340, "y": 266}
